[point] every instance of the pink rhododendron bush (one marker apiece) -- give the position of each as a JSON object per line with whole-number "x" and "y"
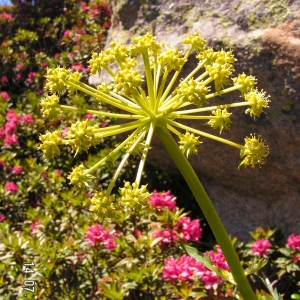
{"x": 55, "y": 242}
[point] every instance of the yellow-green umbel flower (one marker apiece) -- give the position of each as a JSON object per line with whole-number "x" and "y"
{"x": 151, "y": 103}
{"x": 160, "y": 105}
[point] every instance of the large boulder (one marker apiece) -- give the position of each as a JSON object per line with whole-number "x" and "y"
{"x": 265, "y": 39}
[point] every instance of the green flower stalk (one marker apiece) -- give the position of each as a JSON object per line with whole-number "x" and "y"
{"x": 151, "y": 102}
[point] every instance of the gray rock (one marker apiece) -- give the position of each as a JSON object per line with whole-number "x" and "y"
{"x": 265, "y": 38}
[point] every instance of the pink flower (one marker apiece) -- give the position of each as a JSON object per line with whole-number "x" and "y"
{"x": 261, "y": 247}
{"x": 77, "y": 67}
{"x": 10, "y": 127}
{"x": 65, "y": 131}
{"x": 19, "y": 66}
{"x": 44, "y": 174}
{"x": 137, "y": 233}
{"x": 161, "y": 200}
{"x": 31, "y": 76}
{"x": 80, "y": 31}
{"x": 88, "y": 116}
{"x": 11, "y": 140}
{"x": 17, "y": 169}
{"x": 218, "y": 258}
{"x": 34, "y": 227}
{"x": 190, "y": 229}
{"x": 2, "y": 218}
{"x": 67, "y": 34}
{"x": 44, "y": 64}
{"x": 12, "y": 116}
{"x": 27, "y": 119}
{"x": 6, "y": 16}
{"x": 211, "y": 280}
{"x": 11, "y": 187}
{"x": 97, "y": 234}
{"x": 104, "y": 124}
{"x": 2, "y": 164}
{"x": 183, "y": 268}
{"x": 18, "y": 76}
{"x": 58, "y": 173}
{"x": 296, "y": 258}
{"x": 84, "y": 7}
{"x": 294, "y": 242}
{"x": 4, "y": 79}
{"x": 168, "y": 236}
{"x": 4, "y": 96}
{"x": 2, "y": 133}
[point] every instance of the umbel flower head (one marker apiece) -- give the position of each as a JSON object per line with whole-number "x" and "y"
{"x": 150, "y": 99}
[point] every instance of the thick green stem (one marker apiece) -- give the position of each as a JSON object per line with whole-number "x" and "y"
{"x": 209, "y": 212}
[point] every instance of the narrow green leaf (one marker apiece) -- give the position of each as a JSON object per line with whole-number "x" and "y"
{"x": 274, "y": 293}
{"x": 256, "y": 265}
{"x": 205, "y": 261}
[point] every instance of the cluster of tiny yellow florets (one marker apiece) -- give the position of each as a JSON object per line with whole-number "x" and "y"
{"x": 127, "y": 79}
{"x": 189, "y": 143}
{"x": 254, "y": 152}
{"x": 50, "y": 142}
{"x": 104, "y": 205}
{"x": 50, "y": 106}
{"x": 223, "y": 121}
{"x": 193, "y": 92}
{"x": 79, "y": 177}
{"x": 245, "y": 82}
{"x": 258, "y": 101}
{"x": 133, "y": 196}
{"x": 196, "y": 42}
{"x": 81, "y": 136}
{"x": 151, "y": 99}
{"x": 56, "y": 80}
{"x": 171, "y": 59}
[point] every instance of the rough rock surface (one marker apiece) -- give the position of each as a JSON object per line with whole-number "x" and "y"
{"x": 265, "y": 38}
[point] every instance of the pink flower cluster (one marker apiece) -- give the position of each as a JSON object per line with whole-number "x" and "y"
{"x": 17, "y": 169}
{"x": 95, "y": 10}
{"x": 31, "y": 76}
{"x": 77, "y": 67}
{"x": 4, "y": 79}
{"x": 261, "y": 247}
{"x": 6, "y": 16}
{"x": 27, "y": 119}
{"x": 2, "y": 218}
{"x": 34, "y": 227}
{"x": 185, "y": 230}
{"x": 183, "y": 268}
{"x": 218, "y": 258}
{"x": 11, "y": 187}
{"x": 293, "y": 241}
{"x": 66, "y": 34}
{"x": 96, "y": 234}
{"x": 186, "y": 268}
{"x": 4, "y": 96}
{"x": 8, "y": 132}
{"x": 161, "y": 200}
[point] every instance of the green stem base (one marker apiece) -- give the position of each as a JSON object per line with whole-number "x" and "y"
{"x": 209, "y": 212}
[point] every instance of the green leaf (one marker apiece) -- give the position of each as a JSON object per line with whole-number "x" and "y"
{"x": 205, "y": 261}
{"x": 285, "y": 251}
{"x": 295, "y": 296}
{"x": 256, "y": 265}
{"x": 273, "y": 292}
